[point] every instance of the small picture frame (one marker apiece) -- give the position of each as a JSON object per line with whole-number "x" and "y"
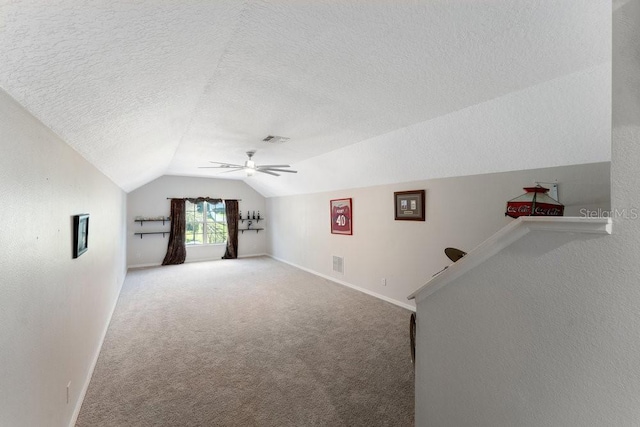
{"x": 409, "y": 205}
{"x": 341, "y": 216}
{"x": 80, "y": 234}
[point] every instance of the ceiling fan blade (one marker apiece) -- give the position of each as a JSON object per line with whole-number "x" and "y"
{"x": 280, "y": 170}
{"x": 227, "y": 165}
{"x": 272, "y": 166}
{"x": 266, "y": 171}
{"x": 231, "y": 170}
{"x": 220, "y": 167}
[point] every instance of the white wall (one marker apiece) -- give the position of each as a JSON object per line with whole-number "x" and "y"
{"x": 460, "y": 212}
{"x": 54, "y": 309}
{"x": 150, "y": 200}
{"x": 532, "y": 337}
{"x": 546, "y": 332}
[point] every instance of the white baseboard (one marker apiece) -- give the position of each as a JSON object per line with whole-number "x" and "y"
{"x": 153, "y": 264}
{"x": 158, "y": 264}
{"x": 85, "y": 386}
{"x": 252, "y": 255}
{"x": 347, "y": 284}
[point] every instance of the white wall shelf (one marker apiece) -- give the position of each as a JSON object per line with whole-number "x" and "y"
{"x": 506, "y": 236}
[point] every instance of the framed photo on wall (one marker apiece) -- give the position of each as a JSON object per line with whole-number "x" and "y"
{"x": 341, "y": 216}
{"x": 80, "y": 234}
{"x": 409, "y": 205}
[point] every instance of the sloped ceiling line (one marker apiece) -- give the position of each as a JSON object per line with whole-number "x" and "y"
{"x": 239, "y": 23}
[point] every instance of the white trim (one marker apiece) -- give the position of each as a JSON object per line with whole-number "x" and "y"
{"x": 85, "y": 387}
{"x": 252, "y": 255}
{"x": 153, "y": 264}
{"x": 158, "y": 264}
{"x": 349, "y": 285}
{"x": 506, "y": 236}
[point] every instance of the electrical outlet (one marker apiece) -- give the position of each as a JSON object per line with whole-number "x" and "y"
{"x": 383, "y": 281}
{"x": 68, "y": 387}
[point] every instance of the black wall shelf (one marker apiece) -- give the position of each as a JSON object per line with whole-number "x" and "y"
{"x": 242, "y": 230}
{"x": 250, "y": 219}
{"x": 166, "y": 220}
{"x": 141, "y": 221}
{"x": 251, "y": 216}
{"x": 163, "y": 220}
{"x": 151, "y": 232}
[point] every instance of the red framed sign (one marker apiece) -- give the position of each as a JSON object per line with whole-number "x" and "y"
{"x": 341, "y": 216}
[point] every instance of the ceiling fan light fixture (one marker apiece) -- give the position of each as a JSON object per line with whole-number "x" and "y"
{"x": 251, "y": 167}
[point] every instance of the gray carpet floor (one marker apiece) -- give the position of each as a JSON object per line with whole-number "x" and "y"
{"x": 250, "y": 342}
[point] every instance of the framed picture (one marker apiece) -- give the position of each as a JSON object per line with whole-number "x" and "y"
{"x": 80, "y": 234}
{"x": 409, "y": 205}
{"x": 341, "y": 216}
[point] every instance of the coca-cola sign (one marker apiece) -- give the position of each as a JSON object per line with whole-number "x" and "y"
{"x": 535, "y": 202}
{"x": 517, "y": 209}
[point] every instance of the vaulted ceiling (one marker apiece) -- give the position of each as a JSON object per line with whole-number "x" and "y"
{"x": 368, "y": 92}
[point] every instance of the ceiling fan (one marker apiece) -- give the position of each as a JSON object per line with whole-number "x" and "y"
{"x": 251, "y": 167}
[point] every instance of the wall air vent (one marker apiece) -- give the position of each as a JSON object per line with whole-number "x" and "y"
{"x": 338, "y": 264}
{"x": 275, "y": 139}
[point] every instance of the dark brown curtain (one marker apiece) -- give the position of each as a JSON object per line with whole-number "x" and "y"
{"x": 231, "y": 207}
{"x": 176, "y": 251}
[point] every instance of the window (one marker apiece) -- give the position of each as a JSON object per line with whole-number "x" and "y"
{"x": 206, "y": 223}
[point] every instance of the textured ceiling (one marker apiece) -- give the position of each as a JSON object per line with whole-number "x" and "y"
{"x": 369, "y": 93}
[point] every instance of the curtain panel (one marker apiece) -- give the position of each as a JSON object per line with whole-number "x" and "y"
{"x": 231, "y": 208}
{"x": 176, "y": 250}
